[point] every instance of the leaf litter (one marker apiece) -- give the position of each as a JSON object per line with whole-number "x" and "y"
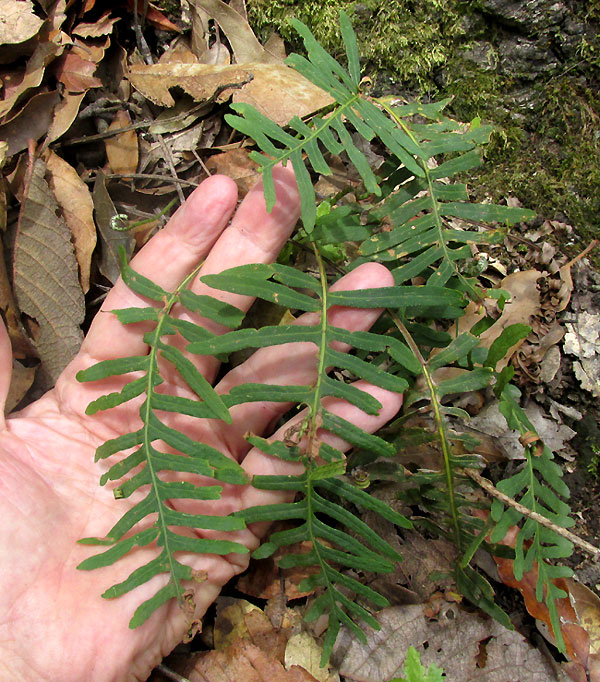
{"x": 78, "y": 111}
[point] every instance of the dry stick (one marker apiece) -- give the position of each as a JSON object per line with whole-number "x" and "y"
{"x": 146, "y": 176}
{"x": 169, "y": 160}
{"x": 538, "y": 518}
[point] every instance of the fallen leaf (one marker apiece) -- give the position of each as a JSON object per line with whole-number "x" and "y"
{"x": 242, "y": 661}
{"x": 236, "y": 164}
{"x": 122, "y": 149}
{"x": 18, "y": 22}
{"x": 20, "y": 83}
{"x": 104, "y": 212}
{"x": 76, "y": 73}
{"x": 153, "y": 16}
{"x": 21, "y": 346}
{"x": 103, "y": 26}
{"x": 239, "y": 619}
{"x": 32, "y": 121}
{"x": 244, "y": 43}
{"x": 75, "y": 202}
{"x": 275, "y": 90}
{"x": 576, "y": 638}
{"x": 303, "y": 650}
{"x": 583, "y": 340}
{"x": 20, "y": 382}
{"x": 64, "y": 115}
{"x": 280, "y": 93}
{"x": 45, "y": 279}
{"x": 469, "y": 648}
{"x": 523, "y": 305}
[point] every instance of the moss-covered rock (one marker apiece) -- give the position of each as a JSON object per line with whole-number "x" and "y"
{"x": 533, "y": 69}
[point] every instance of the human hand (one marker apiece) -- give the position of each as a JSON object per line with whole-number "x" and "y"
{"x": 54, "y": 625}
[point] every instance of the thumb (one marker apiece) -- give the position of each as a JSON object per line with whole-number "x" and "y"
{"x": 5, "y": 368}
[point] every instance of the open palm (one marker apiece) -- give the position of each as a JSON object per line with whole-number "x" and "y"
{"x": 53, "y": 624}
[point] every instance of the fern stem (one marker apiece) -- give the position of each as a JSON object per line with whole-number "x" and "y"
{"x": 152, "y": 368}
{"x": 440, "y": 427}
{"x": 434, "y": 204}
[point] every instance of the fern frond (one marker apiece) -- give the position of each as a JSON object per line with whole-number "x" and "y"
{"x": 194, "y": 458}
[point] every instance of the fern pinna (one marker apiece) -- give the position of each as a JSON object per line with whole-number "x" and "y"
{"x": 412, "y": 196}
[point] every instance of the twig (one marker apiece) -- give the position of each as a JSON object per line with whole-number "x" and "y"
{"x": 146, "y": 176}
{"x": 579, "y": 256}
{"x": 169, "y": 160}
{"x": 171, "y": 674}
{"x": 489, "y": 487}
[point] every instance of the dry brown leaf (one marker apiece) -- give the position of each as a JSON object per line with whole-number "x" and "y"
{"x": 45, "y": 277}
{"x": 77, "y": 73}
{"x": 245, "y": 662}
{"x": 103, "y": 26}
{"x": 469, "y": 648}
{"x": 198, "y": 80}
{"x": 122, "y": 149}
{"x": 18, "y": 22}
{"x": 21, "y": 347}
{"x": 576, "y": 614}
{"x": 111, "y": 240}
{"x": 75, "y": 202}
{"x": 236, "y": 164}
{"x": 20, "y": 82}
{"x": 20, "y": 382}
{"x": 244, "y": 43}
{"x": 32, "y": 121}
{"x": 238, "y": 619}
{"x": 303, "y": 650}
{"x": 64, "y": 115}
{"x": 276, "y": 90}
{"x": 279, "y": 93}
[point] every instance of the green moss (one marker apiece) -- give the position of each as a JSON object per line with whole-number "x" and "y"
{"x": 547, "y": 148}
{"x": 405, "y": 39}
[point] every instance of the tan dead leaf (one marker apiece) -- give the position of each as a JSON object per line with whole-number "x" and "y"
{"x": 32, "y": 121}
{"x": 469, "y": 648}
{"x": 77, "y": 73}
{"x": 245, "y": 662}
{"x": 75, "y": 202}
{"x": 122, "y": 149}
{"x": 198, "y": 80}
{"x": 302, "y": 650}
{"x": 111, "y": 240}
{"x": 522, "y": 307}
{"x": 21, "y": 347}
{"x": 244, "y": 43}
{"x": 274, "y": 89}
{"x": 236, "y": 164}
{"x": 238, "y": 619}
{"x": 279, "y": 92}
{"x": 18, "y": 22}
{"x": 103, "y": 26}
{"x": 20, "y": 382}
{"x": 45, "y": 277}
{"x": 15, "y": 87}
{"x": 64, "y": 115}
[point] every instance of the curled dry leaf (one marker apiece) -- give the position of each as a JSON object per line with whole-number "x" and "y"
{"x": 46, "y": 282}
{"x": 122, "y": 149}
{"x": 64, "y": 115}
{"x": 103, "y": 26}
{"x": 302, "y": 650}
{"x": 468, "y": 647}
{"x": 18, "y": 22}
{"x": 236, "y": 163}
{"x": 31, "y": 122}
{"x": 75, "y": 202}
{"x": 77, "y": 73}
{"x": 244, "y": 43}
{"x": 20, "y": 382}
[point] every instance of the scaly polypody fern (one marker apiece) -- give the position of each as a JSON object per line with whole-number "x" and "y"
{"x": 411, "y": 192}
